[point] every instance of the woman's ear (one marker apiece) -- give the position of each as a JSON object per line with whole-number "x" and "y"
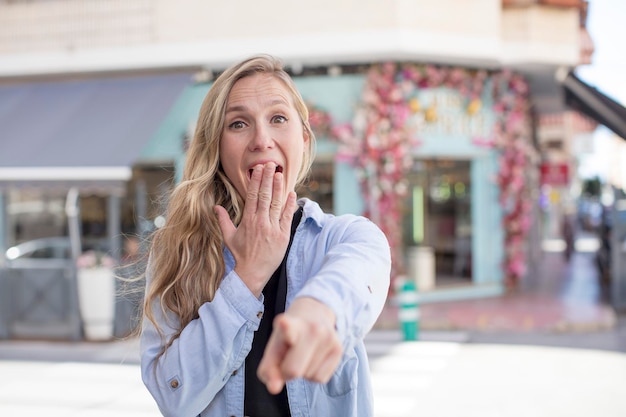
{"x": 306, "y": 135}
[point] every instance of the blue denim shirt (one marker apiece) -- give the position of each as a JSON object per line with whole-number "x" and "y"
{"x": 341, "y": 261}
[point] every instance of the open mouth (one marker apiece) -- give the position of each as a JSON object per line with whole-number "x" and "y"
{"x": 251, "y": 170}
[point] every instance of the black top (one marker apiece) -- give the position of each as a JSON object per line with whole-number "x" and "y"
{"x": 257, "y": 400}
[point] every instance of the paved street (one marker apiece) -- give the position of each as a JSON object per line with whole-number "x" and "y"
{"x": 441, "y": 376}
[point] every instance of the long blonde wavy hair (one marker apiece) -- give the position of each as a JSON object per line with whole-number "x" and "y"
{"x": 186, "y": 255}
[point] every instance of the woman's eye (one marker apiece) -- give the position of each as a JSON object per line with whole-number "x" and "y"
{"x": 279, "y": 119}
{"x": 236, "y": 125}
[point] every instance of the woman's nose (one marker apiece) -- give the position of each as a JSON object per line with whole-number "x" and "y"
{"x": 262, "y": 138}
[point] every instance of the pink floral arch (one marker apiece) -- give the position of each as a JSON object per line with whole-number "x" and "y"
{"x": 378, "y": 144}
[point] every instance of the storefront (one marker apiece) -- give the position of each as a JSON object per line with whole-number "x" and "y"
{"x": 441, "y": 158}
{"x": 88, "y": 134}
{"x": 85, "y": 136}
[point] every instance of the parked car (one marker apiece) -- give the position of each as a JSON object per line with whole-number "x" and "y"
{"x": 44, "y": 248}
{"x": 590, "y": 214}
{"x": 44, "y": 251}
{"x": 49, "y": 252}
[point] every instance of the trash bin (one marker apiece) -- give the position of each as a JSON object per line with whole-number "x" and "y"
{"x": 422, "y": 267}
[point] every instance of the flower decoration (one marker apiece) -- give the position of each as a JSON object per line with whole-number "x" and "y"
{"x": 378, "y": 144}
{"x": 320, "y": 120}
{"x": 94, "y": 259}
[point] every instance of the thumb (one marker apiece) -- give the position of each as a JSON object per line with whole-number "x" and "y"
{"x": 225, "y": 223}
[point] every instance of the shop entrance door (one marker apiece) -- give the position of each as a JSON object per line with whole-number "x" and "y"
{"x": 437, "y": 219}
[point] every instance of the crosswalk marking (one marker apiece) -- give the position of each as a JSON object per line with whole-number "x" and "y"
{"x": 402, "y": 372}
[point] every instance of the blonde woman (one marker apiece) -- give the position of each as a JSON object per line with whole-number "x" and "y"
{"x": 257, "y": 303}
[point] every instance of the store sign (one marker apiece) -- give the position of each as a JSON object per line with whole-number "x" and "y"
{"x": 556, "y": 174}
{"x": 441, "y": 112}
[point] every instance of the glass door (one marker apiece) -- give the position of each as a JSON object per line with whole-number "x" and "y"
{"x": 437, "y": 219}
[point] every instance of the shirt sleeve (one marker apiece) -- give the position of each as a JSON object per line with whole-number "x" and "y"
{"x": 186, "y": 378}
{"x": 354, "y": 276}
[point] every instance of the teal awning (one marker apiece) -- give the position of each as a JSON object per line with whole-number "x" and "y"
{"x": 168, "y": 141}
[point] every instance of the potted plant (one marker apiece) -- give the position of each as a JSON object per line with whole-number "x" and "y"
{"x": 96, "y": 294}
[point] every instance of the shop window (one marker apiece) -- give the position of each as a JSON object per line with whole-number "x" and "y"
{"x": 35, "y": 213}
{"x": 319, "y": 185}
{"x": 147, "y": 197}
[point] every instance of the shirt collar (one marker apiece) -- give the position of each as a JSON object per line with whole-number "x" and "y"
{"x": 311, "y": 210}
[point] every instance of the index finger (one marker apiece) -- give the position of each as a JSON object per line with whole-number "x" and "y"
{"x": 252, "y": 196}
{"x": 269, "y": 371}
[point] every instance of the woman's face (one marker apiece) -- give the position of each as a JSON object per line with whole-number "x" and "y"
{"x": 261, "y": 126}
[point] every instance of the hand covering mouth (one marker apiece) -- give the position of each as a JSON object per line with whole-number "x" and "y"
{"x": 279, "y": 168}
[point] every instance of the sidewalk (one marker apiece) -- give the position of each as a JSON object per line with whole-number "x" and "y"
{"x": 557, "y": 297}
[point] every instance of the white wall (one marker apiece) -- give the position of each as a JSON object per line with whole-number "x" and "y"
{"x": 42, "y": 37}
{"x": 541, "y": 34}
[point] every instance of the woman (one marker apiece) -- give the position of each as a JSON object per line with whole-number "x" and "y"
{"x": 257, "y": 304}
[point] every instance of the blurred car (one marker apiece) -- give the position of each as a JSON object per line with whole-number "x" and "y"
{"x": 48, "y": 252}
{"x": 44, "y": 248}
{"x": 590, "y": 214}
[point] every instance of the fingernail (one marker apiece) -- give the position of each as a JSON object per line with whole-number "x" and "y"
{"x": 275, "y": 387}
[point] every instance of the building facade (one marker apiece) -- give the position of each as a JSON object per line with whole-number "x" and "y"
{"x": 425, "y": 115}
